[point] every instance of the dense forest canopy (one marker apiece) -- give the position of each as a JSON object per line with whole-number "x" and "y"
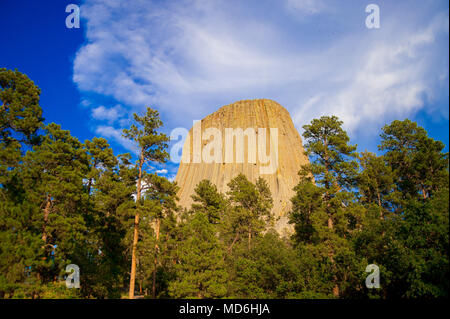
{"x": 64, "y": 202}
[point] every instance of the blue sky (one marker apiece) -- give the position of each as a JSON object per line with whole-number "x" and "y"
{"x": 189, "y": 57}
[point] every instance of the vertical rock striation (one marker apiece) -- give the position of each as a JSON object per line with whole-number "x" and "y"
{"x": 261, "y": 113}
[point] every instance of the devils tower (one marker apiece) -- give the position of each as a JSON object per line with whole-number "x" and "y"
{"x": 272, "y": 148}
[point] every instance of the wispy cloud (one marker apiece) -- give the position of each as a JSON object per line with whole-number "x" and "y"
{"x": 189, "y": 57}
{"x": 309, "y": 7}
{"x": 116, "y": 135}
{"x": 394, "y": 79}
{"x": 110, "y": 115}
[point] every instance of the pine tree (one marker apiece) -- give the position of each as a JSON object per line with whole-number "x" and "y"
{"x": 252, "y": 204}
{"x": 208, "y": 201}
{"x": 376, "y": 183}
{"x": 421, "y": 227}
{"x": 417, "y": 160}
{"x": 152, "y": 147}
{"x": 324, "y": 211}
{"x": 270, "y": 270}
{"x": 109, "y": 184}
{"x": 20, "y": 112}
{"x": 54, "y": 173}
{"x": 20, "y": 237}
{"x": 101, "y": 160}
{"x": 201, "y": 267}
{"x": 162, "y": 193}
{"x": 375, "y": 241}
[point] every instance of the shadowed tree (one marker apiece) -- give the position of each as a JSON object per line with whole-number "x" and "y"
{"x": 252, "y": 204}
{"x": 208, "y": 201}
{"x": 201, "y": 268}
{"x": 162, "y": 194}
{"x": 109, "y": 184}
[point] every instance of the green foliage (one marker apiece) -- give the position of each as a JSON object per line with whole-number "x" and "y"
{"x": 417, "y": 160}
{"x": 20, "y": 112}
{"x": 270, "y": 270}
{"x": 20, "y": 243}
{"x": 252, "y": 204}
{"x": 324, "y": 213}
{"x": 208, "y": 201}
{"x": 376, "y": 183}
{"x": 145, "y": 134}
{"x": 64, "y": 202}
{"x": 152, "y": 148}
{"x": 201, "y": 267}
{"x": 331, "y": 155}
{"x": 157, "y": 232}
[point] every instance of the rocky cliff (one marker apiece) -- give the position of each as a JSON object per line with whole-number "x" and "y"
{"x": 271, "y": 145}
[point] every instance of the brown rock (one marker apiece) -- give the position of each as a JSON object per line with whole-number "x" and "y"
{"x": 261, "y": 113}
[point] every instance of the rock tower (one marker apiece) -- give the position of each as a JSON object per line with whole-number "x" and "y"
{"x": 261, "y": 121}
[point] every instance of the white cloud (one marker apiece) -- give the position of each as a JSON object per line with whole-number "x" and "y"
{"x": 309, "y": 7}
{"x": 116, "y": 135}
{"x": 85, "y": 103}
{"x": 110, "y": 115}
{"x": 162, "y": 171}
{"x": 395, "y": 79}
{"x": 189, "y": 57}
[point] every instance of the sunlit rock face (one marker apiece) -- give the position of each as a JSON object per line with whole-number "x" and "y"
{"x": 253, "y": 137}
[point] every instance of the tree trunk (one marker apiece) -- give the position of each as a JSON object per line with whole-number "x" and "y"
{"x": 379, "y": 204}
{"x": 232, "y": 244}
{"x": 336, "y": 291}
{"x": 133, "y": 256}
{"x": 136, "y": 229}
{"x": 158, "y": 224}
{"x": 330, "y": 223}
{"x": 331, "y": 226}
{"x": 89, "y": 187}
{"x": 336, "y": 286}
{"x": 47, "y": 208}
{"x": 424, "y": 193}
{"x": 249, "y": 237}
{"x": 330, "y": 220}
